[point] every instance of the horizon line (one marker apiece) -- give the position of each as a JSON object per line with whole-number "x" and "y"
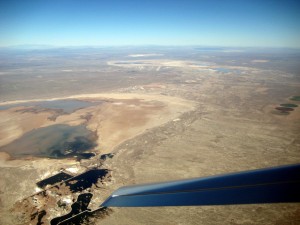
{"x": 48, "y": 46}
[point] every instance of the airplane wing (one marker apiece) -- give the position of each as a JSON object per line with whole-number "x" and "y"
{"x": 270, "y": 185}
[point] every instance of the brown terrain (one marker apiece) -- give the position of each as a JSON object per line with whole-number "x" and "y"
{"x": 189, "y": 121}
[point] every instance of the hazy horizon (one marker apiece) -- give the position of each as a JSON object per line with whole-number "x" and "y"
{"x": 149, "y": 46}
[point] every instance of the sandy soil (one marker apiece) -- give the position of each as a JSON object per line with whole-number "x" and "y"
{"x": 121, "y": 117}
{"x": 214, "y": 123}
{"x": 14, "y": 124}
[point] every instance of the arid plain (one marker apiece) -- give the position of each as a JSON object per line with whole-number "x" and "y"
{"x": 163, "y": 114}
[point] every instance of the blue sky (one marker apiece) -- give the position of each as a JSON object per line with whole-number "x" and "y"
{"x": 238, "y": 23}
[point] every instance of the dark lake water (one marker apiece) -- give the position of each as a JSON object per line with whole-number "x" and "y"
{"x": 295, "y": 98}
{"x": 284, "y": 109}
{"x": 106, "y": 156}
{"x": 67, "y": 105}
{"x": 56, "y": 141}
{"x": 79, "y": 206}
{"x": 85, "y": 155}
{"x": 289, "y": 105}
{"x": 85, "y": 180}
{"x": 53, "y": 179}
{"x": 79, "y": 183}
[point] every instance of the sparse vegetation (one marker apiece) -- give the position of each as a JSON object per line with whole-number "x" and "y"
{"x": 175, "y": 117}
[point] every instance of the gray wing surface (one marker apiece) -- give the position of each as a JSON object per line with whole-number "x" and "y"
{"x": 270, "y": 185}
